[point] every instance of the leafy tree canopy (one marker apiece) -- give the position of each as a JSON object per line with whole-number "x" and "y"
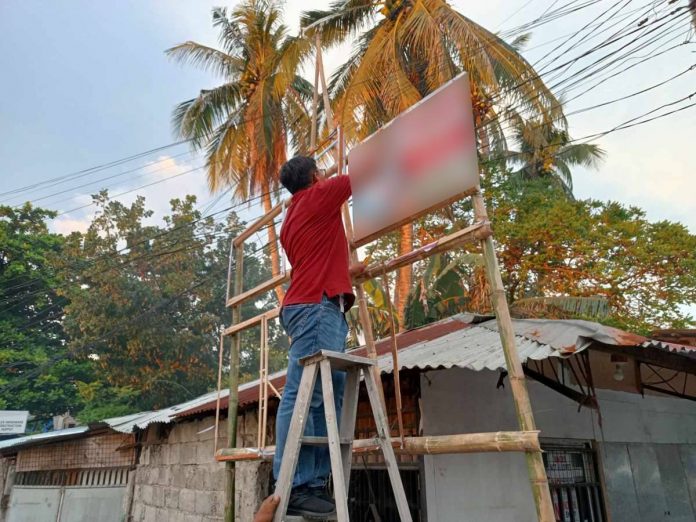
{"x": 36, "y": 373}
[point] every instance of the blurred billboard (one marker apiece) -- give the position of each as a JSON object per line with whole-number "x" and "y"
{"x": 422, "y": 160}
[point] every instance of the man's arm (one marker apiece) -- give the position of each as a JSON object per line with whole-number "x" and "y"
{"x": 334, "y": 192}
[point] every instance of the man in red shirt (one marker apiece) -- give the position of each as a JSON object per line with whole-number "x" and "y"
{"x": 313, "y": 315}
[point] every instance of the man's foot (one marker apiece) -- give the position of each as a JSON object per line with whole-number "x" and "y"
{"x": 303, "y": 502}
{"x": 322, "y": 492}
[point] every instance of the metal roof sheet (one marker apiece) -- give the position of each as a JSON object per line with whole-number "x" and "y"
{"x": 49, "y": 436}
{"x": 441, "y": 345}
{"x": 476, "y": 348}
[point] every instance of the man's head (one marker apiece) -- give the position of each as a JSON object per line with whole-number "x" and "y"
{"x": 299, "y": 173}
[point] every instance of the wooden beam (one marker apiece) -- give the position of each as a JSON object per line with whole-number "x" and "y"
{"x": 580, "y": 398}
{"x": 479, "y": 231}
{"x": 271, "y": 314}
{"x": 233, "y": 400}
{"x": 266, "y": 286}
{"x": 518, "y": 386}
{"x": 258, "y": 224}
{"x": 500, "y": 441}
{"x": 656, "y": 356}
{"x": 669, "y": 392}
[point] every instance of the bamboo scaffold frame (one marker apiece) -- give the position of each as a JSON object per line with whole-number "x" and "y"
{"x": 525, "y": 440}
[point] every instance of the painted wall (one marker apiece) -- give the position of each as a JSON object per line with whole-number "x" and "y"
{"x": 494, "y": 487}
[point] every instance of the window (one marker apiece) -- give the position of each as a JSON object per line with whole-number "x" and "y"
{"x": 371, "y": 499}
{"x": 574, "y": 481}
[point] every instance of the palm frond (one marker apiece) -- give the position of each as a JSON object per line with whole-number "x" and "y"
{"x": 197, "y": 119}
{"x": 207, "y": 58}
{"x": 343, "y": 19}
{"x": 585, "y": 154}
{"x": 230, "y": 36}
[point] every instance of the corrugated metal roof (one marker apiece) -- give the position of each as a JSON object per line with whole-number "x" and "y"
{"x": 441, "y": 345}
{"x": 128, "y": 423}
{"x": 476, "y": 348}
{"x": 573, "y": 334}
{"x": 682, "y": 349}
{"x": 38, "y": 438}
{"x": 464, "y": 341}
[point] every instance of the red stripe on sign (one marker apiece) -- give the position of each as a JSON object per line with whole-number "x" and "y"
{"x": 438, "y": 148}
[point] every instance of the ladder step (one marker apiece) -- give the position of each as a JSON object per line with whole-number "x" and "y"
{"x": 321, "y": 441}
{"x": 339, "y": 361}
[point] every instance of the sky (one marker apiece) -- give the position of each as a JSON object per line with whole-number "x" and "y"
{"x": 85, "y": 83}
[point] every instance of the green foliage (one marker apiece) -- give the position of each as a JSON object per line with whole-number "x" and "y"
{"x": 147, "y": 302}
{"x": 559, "y": 258}
{"x": 552, "y": 246}
{"x": 36, "y": 370}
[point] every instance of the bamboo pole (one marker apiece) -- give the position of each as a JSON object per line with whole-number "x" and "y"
{"x": 260, "y": 289}
{"x": 518, "y": 386}
{"x": 234, "y": 389}
{"x": 315, "y": 102}
{"x": 363, "y": 311}
{"x": 253, "y": 321}
{"x": 478, "y": 231}
{"x": 494, "y": 442}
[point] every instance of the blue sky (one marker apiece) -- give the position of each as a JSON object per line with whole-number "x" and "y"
{"x": 87, "y": 82}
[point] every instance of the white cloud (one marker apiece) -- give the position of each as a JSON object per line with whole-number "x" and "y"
{"x": 170, "y": 178}
{"x": 66, "y": 225}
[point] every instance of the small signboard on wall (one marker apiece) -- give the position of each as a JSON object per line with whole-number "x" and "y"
{"x": 13, "y": 422}
{"x": 422, "y": 160}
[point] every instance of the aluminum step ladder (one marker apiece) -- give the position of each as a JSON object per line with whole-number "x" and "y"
{"x": 340, "y": 437}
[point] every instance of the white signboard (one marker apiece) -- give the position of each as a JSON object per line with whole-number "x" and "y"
{"x": 422, "y": 160}
{"x": 13, "y": 422}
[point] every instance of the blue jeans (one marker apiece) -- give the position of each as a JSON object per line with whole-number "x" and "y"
{"x": 311, "y": 327}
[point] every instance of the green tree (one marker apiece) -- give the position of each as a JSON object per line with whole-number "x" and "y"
{"x": 552, "y": 246}
{"x": 147, "y": 303}
{"x": 546, "y": 151}
{"x": 37, "y": 372}
{"x": 565, "y": 258}
{"x": 247, "y": 123}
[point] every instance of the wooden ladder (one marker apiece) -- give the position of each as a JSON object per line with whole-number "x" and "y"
{"x": 340, "y": 437}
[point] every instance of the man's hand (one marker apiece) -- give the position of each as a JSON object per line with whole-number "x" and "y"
{"x": 267, "y": 509}
{"x": 357, "y": 269}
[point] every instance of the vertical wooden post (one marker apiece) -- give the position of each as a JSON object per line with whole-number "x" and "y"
{"x": 233, "y": 402}
{"x": 518, "y": 386}
{"x": 315, "y": 98}
{"x": 361, "y": 298}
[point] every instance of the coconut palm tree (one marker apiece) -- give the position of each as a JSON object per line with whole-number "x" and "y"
{"x": 405, "y": 49}
{"x": 246, "y": 124}
{"x": 545, "y": 151}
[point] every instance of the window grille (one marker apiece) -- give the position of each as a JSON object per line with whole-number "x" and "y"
{"x": 101, "y": 451}
{"x": 371, "y": 499}
{"x": 574, "y": 481}
{"x": 105, "y": 477}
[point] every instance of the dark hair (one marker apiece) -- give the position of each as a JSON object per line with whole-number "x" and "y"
{"x": 297, "y": 173}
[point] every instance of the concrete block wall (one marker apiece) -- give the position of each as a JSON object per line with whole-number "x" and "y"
{"x": 177, "y": 478}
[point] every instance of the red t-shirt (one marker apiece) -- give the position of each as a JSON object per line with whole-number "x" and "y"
{"x": 315, "y": 242}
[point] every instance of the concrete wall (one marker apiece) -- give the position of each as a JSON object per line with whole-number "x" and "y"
{"x": 177, "y": 478}
{"x": 495, "y": 487}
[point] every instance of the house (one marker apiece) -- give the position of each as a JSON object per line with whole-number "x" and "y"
{"x": 615, "y": 410}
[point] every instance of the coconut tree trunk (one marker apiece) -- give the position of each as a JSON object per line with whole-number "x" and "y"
{"x": 404, "y": 277}
{"x": 692, "y": 7}
{"x": 273, "y": 244}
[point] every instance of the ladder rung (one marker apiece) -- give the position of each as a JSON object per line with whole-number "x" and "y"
{"x": 339, "y": 361}
{"x": 321, "y": 441}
